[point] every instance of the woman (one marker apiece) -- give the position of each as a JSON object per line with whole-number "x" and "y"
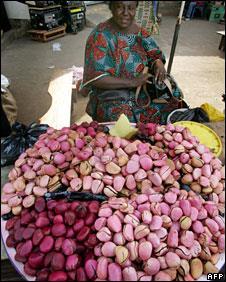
{"x": 117, "y": 52}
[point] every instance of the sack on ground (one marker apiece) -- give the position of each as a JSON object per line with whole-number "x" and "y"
{"x": 213, "y": 113}
{"x": 9, "y": 105}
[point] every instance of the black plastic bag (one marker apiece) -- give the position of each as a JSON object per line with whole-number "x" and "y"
{"x": 22, "y": 137}
{"x": 196, "y": 114}
{"x": 73, "y": 196}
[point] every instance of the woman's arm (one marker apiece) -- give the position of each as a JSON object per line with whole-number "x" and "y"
{"x": 110, "y": 82}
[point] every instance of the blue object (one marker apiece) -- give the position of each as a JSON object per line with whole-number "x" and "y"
{"x": 185, "y": 187}
{"x": 190, "y": 10}
{"x": 199, "y": 8}
{"x": 155, "y": 5}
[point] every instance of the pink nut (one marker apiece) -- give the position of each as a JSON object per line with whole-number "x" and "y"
{"x": 152, "y": 266}
{"x": 130, "y": 182}
{"x": 164, "y": 172}
{"x": 221, "y": 242}
{"x": 170, "y": 197}
{"x": 172, "y": 239}
{"x": 108, "y": 249}
{"x": 155, "y": 179}
{"x": 119, "y": 239}
{"x": 132, "y": 166}
{"x": 176, "y": 213}
{"x": 129, "y": 274}
{"x": 132, "y": 219}
{"x": 185, "y": 206}
{"x": 118, "y": 182}
{"x": 141, "y": 231}
{"x": 153, "y": 239}
{"x": 145, "y": 250}
{"x": 187, "y": 238}
{"x": 105, "y": 212}
{"x": 102, "y": 268}
{"x": 142, "y": 148}
{"x": 156, "y": 223}
{"x": 114, "y": 223}
{"x": 146, "y": 217}
{"x": 128, "y": 232}
{"x": 114, "y": 272}
{"x": 146, "y": 162}
{"x": 104, "y": 234}
{"x": 99, "y": 223}
{"x": 172, "y": 260}
{"x": 198, "y": 227}
{"x": 212, "y": 225}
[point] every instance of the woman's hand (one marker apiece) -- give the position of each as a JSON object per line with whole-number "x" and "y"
{"x": 140, "y": 80}
{"x": 159, "y": 71}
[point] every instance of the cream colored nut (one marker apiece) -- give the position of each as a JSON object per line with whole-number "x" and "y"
{"x": 161, "y": 250}
{"x": 196, "y": 162}
{"x": 125, "y": 192}
{"x": 205, "y": 253}
{"x": 39, "y": 191}
{"x": 110, "y": 191}
{"x": 121, "y": 254}
{"x": 207, "y": 190}
{"x": 196, "y": 268}
{"x": 112, "y": 168}
{"x": 213, "y": 247}
{"x": 85, "y": 168}
{"x": 29, "y": 188}
{"x": 29, "y": 175}
{"x": 210, "y": 268}
{"x": 20, "y": 162}
{"x": 28, "y": 201}
{"x": 43, "y": 181}
{"x": 171, "y": 164}
{"x": 186, "y": 168}
{"x": 141, "y": 231}
{"x": 215, "y": 258}
{"x": 187, "y": 179}
{"x": 15, "y": 201}
{"x": 185, "y": 222}
{"x": 53, "y": 181}
{"x": 172, "y": 273}
{"x": 17, "y": 210}
{"x": 196, "y": 187}
{"x": 184, "y": 267}
{"x": 179, "y": 149}
{"x": 19, "y": 184}
{"x": 122, "y": 160}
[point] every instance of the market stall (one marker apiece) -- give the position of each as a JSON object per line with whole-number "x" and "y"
{"x": 114, "y": 201}
{"x": 85, "y": 203}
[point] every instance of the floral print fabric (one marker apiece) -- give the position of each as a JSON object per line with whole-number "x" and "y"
{"x": 110, "y": 53}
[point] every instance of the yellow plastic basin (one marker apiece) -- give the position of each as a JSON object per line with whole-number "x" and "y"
{"x": 205, "y": 135}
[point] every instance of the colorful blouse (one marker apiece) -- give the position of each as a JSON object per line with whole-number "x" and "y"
{"x": 111, "y": 53}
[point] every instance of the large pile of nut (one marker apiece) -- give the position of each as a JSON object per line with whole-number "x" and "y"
{"x": 164, "y": 224}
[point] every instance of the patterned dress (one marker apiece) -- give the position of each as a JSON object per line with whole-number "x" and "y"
{"x": 111, "y": 53}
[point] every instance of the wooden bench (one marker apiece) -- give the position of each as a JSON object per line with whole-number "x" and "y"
{"x": 222, "y": 42}
{"x": 60, "y": 88}
{"x": 47, "y": 35}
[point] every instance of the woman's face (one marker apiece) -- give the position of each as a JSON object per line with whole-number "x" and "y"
{"x": 123, "y": 13}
